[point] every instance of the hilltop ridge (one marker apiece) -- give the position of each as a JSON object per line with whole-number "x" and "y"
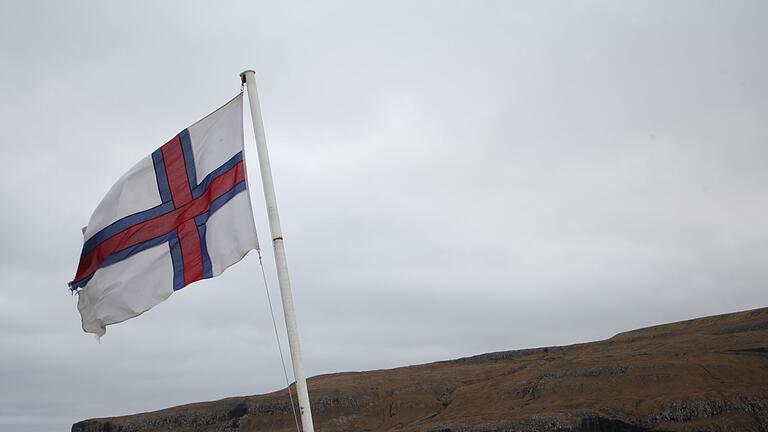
{"x": 705, "y": 374}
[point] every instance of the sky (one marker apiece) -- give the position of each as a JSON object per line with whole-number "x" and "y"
{"x": 453, "y": 178}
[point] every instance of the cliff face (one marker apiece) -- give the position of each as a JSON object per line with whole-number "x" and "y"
{"x": 704, "y": 374}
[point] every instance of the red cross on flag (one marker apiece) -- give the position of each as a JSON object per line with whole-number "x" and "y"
{"x": 179, "y": 215}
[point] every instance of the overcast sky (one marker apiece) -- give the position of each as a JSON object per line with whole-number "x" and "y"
{"x": 454, "y": 178}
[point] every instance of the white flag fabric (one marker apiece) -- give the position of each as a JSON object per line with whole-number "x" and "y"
{"x": 179, "y": 215}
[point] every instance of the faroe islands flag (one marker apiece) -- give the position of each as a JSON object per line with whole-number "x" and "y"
{"x": 179, "y": 215}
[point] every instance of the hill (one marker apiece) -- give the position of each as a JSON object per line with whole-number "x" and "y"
{"x": 698, "y": 375}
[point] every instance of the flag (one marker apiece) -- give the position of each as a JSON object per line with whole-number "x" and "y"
{"x": 179, "y": 215}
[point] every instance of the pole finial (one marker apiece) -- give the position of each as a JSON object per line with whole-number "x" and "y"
{"x": 243, "y": 74}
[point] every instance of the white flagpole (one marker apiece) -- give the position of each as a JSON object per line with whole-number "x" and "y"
{"x": 249, "y": 78}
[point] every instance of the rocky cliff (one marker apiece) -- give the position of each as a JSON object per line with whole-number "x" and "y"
{"x": 698, "y": 375}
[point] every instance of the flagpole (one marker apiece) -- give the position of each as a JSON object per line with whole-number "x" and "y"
{"x": 249, "y": 78}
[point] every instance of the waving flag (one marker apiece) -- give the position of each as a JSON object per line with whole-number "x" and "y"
{"x": 179, "y": 215}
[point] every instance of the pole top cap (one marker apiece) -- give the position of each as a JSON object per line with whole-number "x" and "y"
{"x": 243, "y": 74}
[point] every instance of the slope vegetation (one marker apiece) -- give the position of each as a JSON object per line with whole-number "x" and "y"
{"x": 698, "y": 375}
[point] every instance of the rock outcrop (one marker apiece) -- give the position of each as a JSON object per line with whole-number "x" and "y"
{"x": 708, "y": 374}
